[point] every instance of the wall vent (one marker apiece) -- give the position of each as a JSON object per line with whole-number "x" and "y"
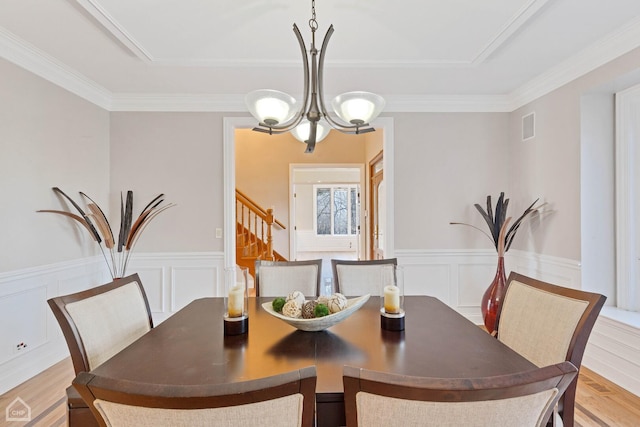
{"x": 529, "y": 126}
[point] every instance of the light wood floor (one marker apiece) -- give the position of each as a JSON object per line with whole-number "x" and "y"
{"x": 599, "y": 401}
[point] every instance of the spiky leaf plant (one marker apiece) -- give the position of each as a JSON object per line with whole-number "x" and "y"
{"x": 96, "y": 223}
{"x": 497, "y": 218}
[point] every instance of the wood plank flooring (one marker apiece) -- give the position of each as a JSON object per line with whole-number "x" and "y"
{"x": 599, "y": 402}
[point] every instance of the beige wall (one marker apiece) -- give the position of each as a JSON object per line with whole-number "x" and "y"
{"x": 444, "y": 163}
{"x": 48, "y": 137}
{"x": 180, "y": 155}
{"x": 549, "y": 165}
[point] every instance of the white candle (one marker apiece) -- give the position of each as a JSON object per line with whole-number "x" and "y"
{"x": 391, "y": 299}
{"x": 236, "y": 301}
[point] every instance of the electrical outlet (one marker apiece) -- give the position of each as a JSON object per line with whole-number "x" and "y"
{"x": 218, "y": 233}
{"x": 20, "y": 347}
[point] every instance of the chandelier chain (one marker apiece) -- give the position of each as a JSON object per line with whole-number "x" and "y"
{"x": 313, "y": 24}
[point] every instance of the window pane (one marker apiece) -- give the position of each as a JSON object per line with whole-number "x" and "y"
{"x": 340, "y": 218}
{"x": 323, "y": 216}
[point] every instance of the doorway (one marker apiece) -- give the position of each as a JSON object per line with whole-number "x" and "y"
{"x": 230, "y": 124}
{"x": 325, "y": 213}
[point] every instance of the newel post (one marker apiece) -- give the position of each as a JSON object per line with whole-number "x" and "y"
{"x": 269, "y": 221}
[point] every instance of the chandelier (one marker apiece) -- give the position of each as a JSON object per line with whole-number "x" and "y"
{"x": 278, "y": 112}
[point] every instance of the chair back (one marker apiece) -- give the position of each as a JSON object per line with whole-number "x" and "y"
{"x": 100, "y": 322}
{"x": 548, "y": 324}
{"x": 356, "y": 278}
{"x": 286, "y": 400}
{"x": 377, "y": 399}
{"x": 280, "y": 278}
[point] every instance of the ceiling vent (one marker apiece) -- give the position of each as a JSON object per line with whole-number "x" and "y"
{"x": 529, "y": 126}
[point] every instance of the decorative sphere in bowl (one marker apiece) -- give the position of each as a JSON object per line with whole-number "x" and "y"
{"x": 319, "y": 323}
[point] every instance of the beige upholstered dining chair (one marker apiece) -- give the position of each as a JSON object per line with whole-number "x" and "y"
{"x": 548, "y": 324}
{"x": 279, "y": 278}
{"x": 286, "y": 400}
{"x": 355, "y": 278}
{"x": 377, "y": 399}
{"x": 97, "y": 324}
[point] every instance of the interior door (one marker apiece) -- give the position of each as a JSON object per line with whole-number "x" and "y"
{"x": 378, "y": 203}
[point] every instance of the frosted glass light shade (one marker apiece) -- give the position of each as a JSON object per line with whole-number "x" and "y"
{"x": 271, "y": 107}
{"x": 358, "y": 107}
{"x": 301, "y": 132}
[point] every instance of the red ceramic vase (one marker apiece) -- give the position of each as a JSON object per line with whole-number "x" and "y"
{"x": 492, "y": 298}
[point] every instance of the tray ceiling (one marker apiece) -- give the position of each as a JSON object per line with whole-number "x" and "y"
{"x": 225, "y": 48}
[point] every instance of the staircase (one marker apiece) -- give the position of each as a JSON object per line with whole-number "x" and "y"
{"x": 254, "y": 238}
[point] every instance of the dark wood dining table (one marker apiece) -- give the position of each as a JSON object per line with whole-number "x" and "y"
{"x": 191, "y": 348}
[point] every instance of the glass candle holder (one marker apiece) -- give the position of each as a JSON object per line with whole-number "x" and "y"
{"x": 236, "y": 301}
{"x": 392, "y": 298}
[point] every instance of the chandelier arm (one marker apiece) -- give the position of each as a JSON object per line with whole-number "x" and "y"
{"x": 286, "y": 127}
{"x": 278, "y": 129}
{"x": 305, "y": 66}
{"x": 344, "y": 128}
{"x": 323, "y": 49}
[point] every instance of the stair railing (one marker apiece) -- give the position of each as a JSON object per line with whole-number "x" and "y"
{"x": 255, "y": 225}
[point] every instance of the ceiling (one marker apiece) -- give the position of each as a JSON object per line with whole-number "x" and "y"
{"x": 420, "y": 55}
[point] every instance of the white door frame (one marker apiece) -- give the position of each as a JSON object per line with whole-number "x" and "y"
{"x": 230, "y": 124}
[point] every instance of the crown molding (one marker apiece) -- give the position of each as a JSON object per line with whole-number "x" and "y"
{"x": 235, "y": 103}
{"x": 446, "y": 103}
{"x": 32, "y": 59}
{"x": 605, "y": 50}
{"x": 178, "y": 103}
{"x": 27, "y": 56}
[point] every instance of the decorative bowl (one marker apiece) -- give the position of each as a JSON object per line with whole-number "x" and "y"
{"x": 319, "y": 323}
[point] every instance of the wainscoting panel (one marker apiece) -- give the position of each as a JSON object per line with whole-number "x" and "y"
{"x": 27, "y": 319}
{"x": 613, "y": 350}
{"x": 189, "y": 283}
{"x": 171, "y": 280}
{"x": 558, "y": 271}
{"x": 154, "y": 284}
{"x": 460, "y": 277}
{"x": 457, "y": 278}
{"x": 24, "y": 321}
{"x": 427, "y": 279}
{"x": 473, "y": 280}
